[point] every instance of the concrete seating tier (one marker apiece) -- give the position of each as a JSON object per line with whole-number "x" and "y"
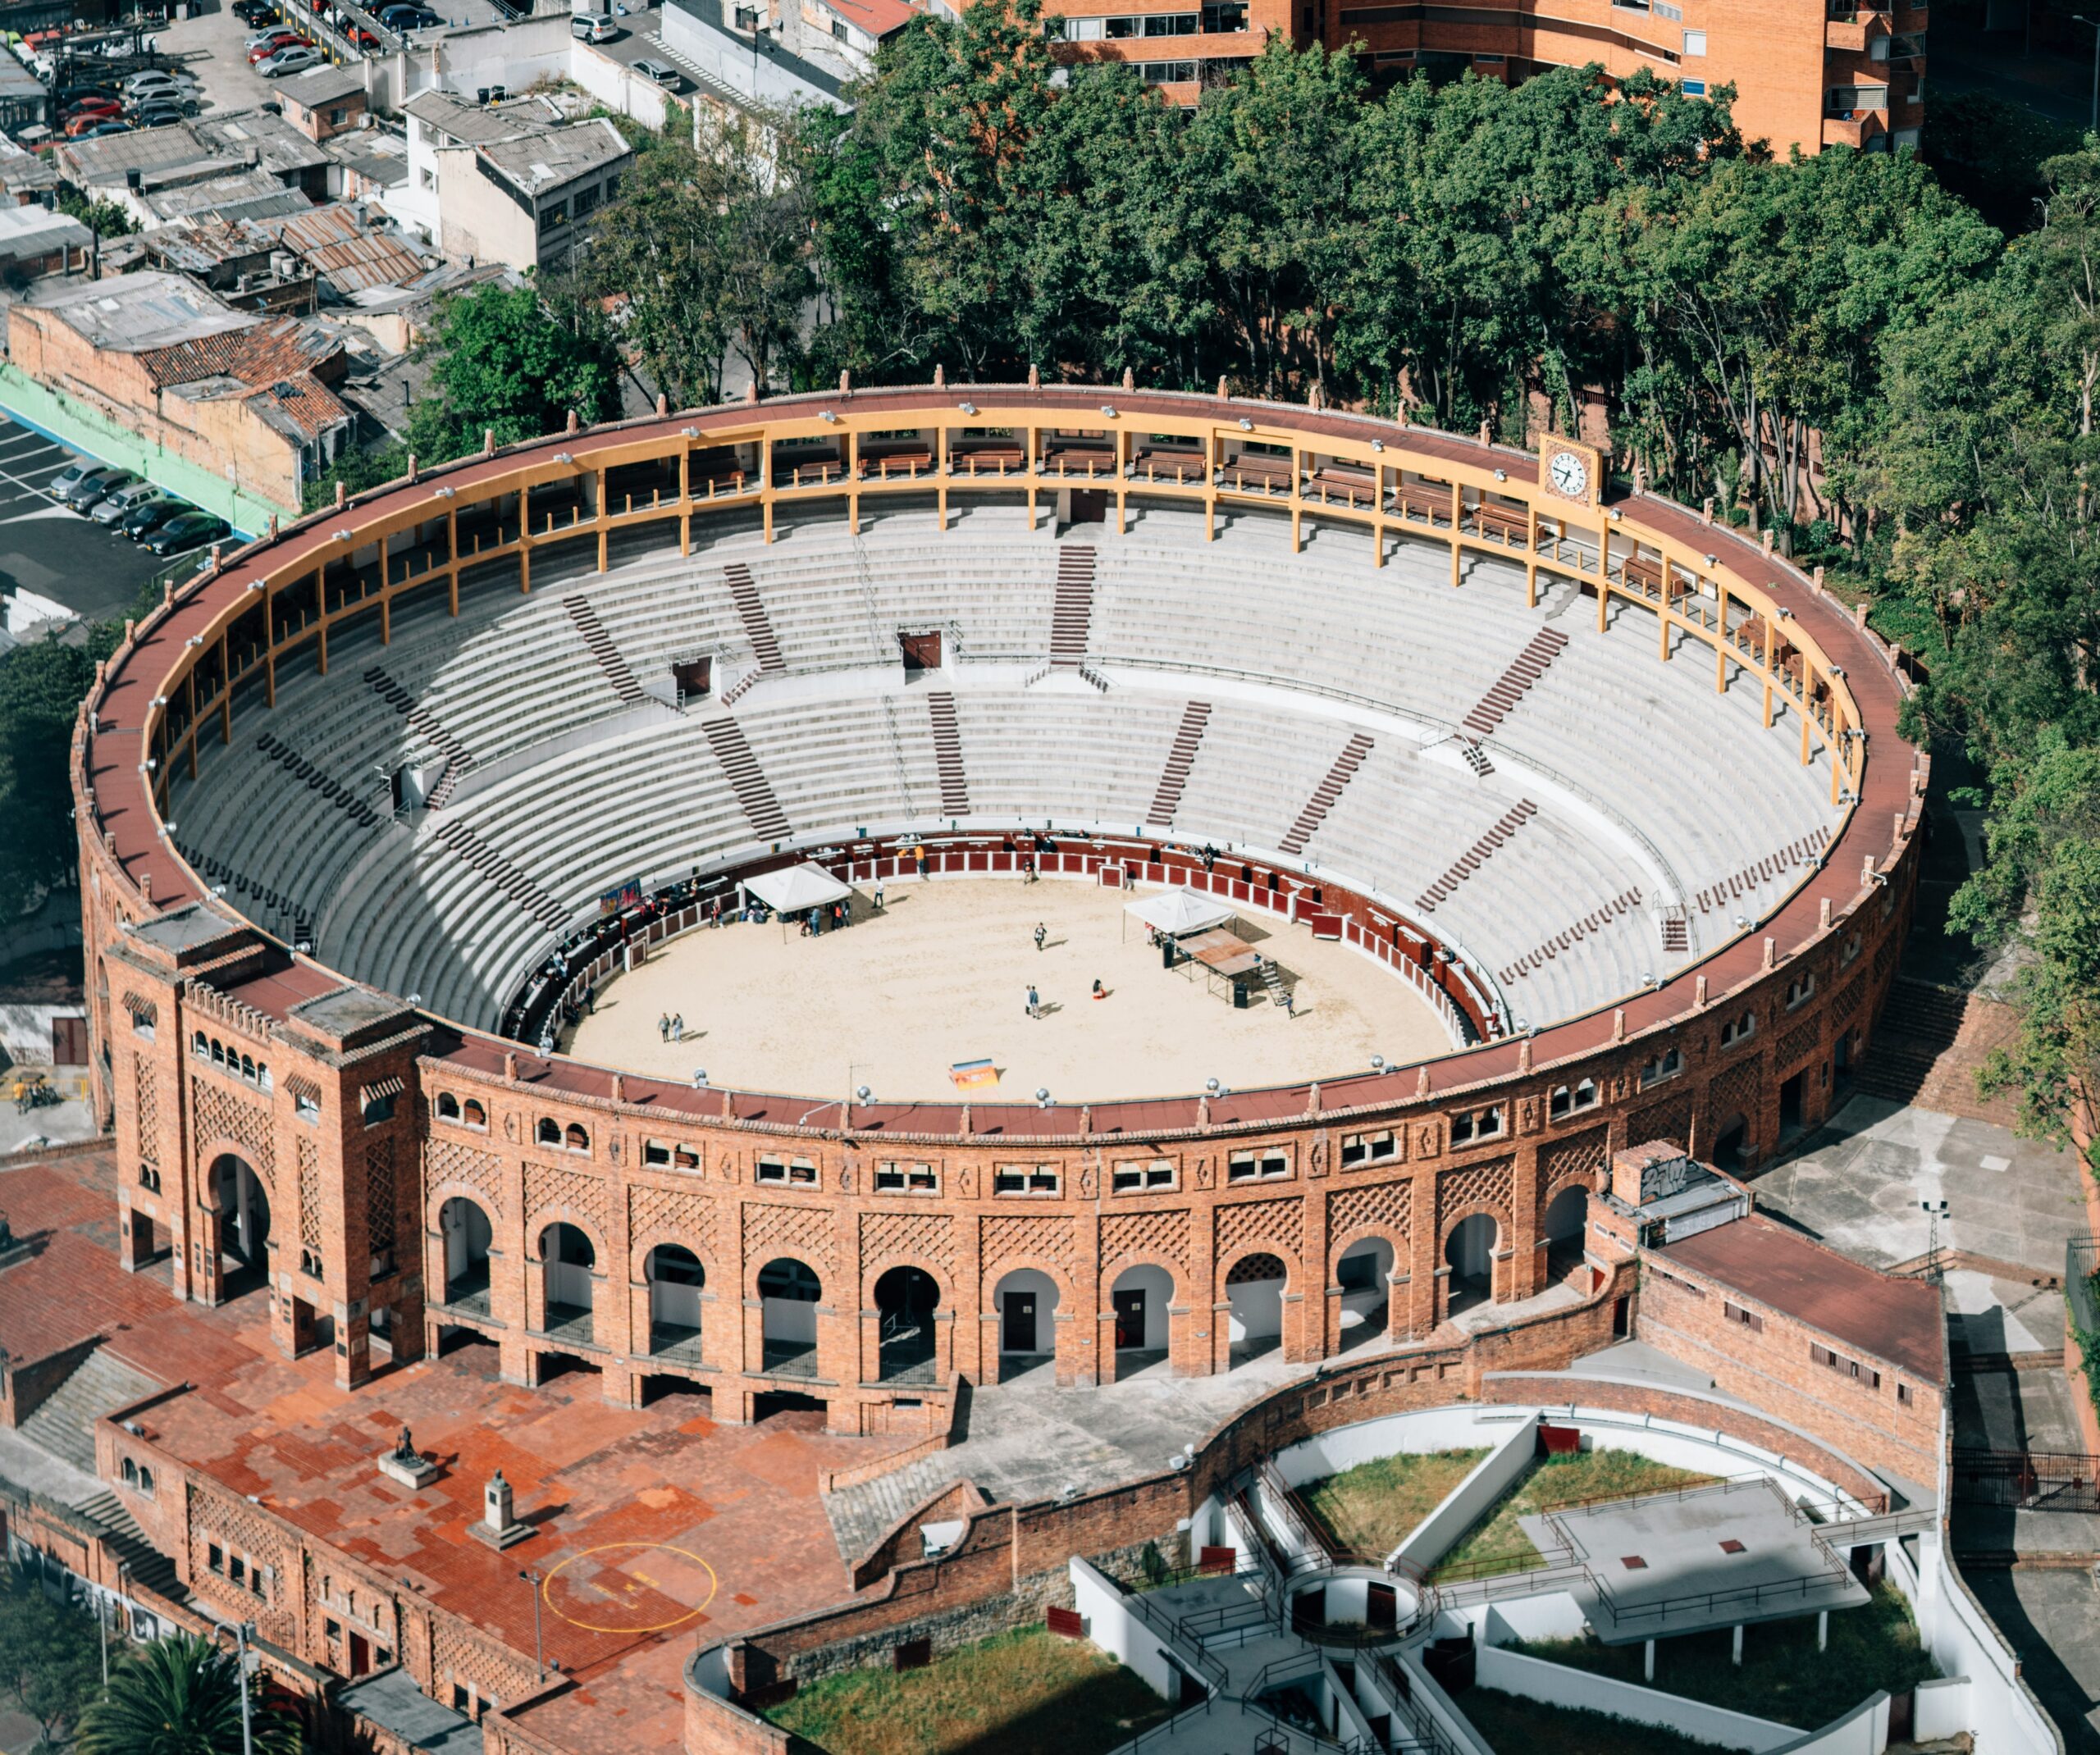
{"x": 1612, "y": 786}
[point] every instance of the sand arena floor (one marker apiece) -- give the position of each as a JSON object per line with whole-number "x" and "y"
{"x": 942, "y": 976}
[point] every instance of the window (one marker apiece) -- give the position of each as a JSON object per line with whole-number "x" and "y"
{"x": 1224, "y": 18}
{"x": 199, "y": 1046}
{"x": 215, "y": 1557}
{"x": 553, "y": 218}
{"x": 1852, "y": 1367}
{"x": 237, "y": 1570}
{"x": 338, "y": 116}
{"x": 1667, "y": 1064}
{"x": 906, "y": 1178}
{"x": 429, "y": 177}
{"x": 1695, "y": 42}
{"x": 1135, "y": 1175}
{"x": 685, "y": 1157}
{"x": 130, "y": 1472}
{"x": 1369, "y": 1148}
{"x": 577, "y": 1138}
{"x": 1749, "y": 1320}
{"x": 1269, "y": 1162}
{"x": 378, "y": 1107}
{"x": 142, "y": 1025}
{"x": 1799, "y": 989}
{"x": 448, "y": 1106}
{"x": 1852, "y": 947}
{"x": 1357, "y": 1273}
{"x": 1476, "y": 1124}
{"x": 472, "y": 1115}
{"x": 549, "y": 1131}
{"x": 1694, "y": 88}
{"x": 1166, "y": 72}
{"x": 797, "y": 1172}
{"x": 1025, "y": 1179}
{"x": 150, "y": 1178}
{"x": 1567, "y": 1099}
{"x": 587, "y": 199}
{"x": 657, "y": 1153}
{"x": 306, "y": 1106}
{"x": 1739, "y": 1029}
{"x": 1903, "y": 1395}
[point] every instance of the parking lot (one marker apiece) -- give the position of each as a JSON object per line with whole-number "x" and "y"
{"x": 55, "y": 553}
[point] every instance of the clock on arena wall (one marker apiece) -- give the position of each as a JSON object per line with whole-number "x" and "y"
{"x": 1571, "y": 471}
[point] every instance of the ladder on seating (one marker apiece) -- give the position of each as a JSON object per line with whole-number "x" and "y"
{"x": 1324, "y": 795}
{"x": 1180, "y": 758}
{"x": 602, "y": 649}
{"x": 948, "y": 756}
{"x": 750, "y": 611}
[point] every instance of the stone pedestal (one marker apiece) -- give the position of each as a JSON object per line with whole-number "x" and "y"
{"x": 498, "y": 1528}
{"x": 420, "y": 1472}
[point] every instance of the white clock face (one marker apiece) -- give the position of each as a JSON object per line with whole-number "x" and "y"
{"x": 1570, "y": 478}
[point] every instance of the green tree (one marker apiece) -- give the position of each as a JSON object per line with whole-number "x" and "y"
{"x": 509, "y": 361}
{"x": 41, "y": 686}
{"x": 104, "y": 218}
{"x": 50, "y": 1655}
{"x": 181, "y": 1696}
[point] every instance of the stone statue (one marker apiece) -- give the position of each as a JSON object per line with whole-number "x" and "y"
{"x": 404, "y": 1449}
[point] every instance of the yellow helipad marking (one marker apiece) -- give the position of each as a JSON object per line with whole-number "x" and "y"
{"x": 547, "y": 1586}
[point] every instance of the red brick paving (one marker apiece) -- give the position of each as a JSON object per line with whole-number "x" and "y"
{"x": 588, "y": 1476}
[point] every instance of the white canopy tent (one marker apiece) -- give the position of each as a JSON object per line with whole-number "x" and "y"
{"x": 1177, "y": 912}
{"x": 797, "y": 889}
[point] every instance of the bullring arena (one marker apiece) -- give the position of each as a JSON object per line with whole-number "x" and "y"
{"x": 1565, "y": 819}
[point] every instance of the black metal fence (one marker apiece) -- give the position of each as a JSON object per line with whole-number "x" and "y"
{"x": 2027, "y": 1480}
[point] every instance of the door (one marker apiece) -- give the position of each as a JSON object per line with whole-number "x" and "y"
{"x": 1089, "y": 506}
{"x": 1380, "y": 1606}
{"x": 1130, "y": 1318}
{"x": 1308, "y": 1608}
{"x": 360, "y": 1654}
{"x": 1017, "y": 1328}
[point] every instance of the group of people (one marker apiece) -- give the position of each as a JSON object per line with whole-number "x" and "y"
{"x": 672, "y": 1027}
{"x": 835, "y": 916}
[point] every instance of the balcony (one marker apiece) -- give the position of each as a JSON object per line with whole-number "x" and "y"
{"x": 1853, "y": 128}
{"x": 1851, "y": 31}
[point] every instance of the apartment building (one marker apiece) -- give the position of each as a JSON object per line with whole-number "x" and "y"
{"x": 1807, "y": 73}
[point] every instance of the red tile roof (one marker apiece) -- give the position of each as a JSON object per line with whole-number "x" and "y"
{"x": 1899, "y": 1321}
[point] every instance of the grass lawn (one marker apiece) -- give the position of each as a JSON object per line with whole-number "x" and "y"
{"x": 1375, "y": 1506}
{"x": 1019, "y": 1694}
{"x": 1510, "y": 1724}
{"x": 1783, "y": 1677}
{"x": 1496, "y": 1544}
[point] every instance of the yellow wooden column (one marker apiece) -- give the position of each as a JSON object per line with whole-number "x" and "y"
{"x": 1837, "y": 746}
{"x": 941, "y": 475}
{"x": 604, "y": 536}
{"x": 1806, "y": 689}
{"x": 190, "y": 684}
{"x": 1531, "y": 556}
{"x": 853, "y": 484}
{"x": 452, "y": 548}
{"x": 1662, "y": 611}
{"x": 1123, "y": 486}
{"x": 1458, "y": 507}
{"x": 1768, "y": 668}
{"x": 1721, "y": 642}
{"x": 685, "y": 495}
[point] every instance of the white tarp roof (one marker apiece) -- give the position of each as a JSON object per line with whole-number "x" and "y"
{"x": 1175, "y": 912}
{"x": 797, "y": 889}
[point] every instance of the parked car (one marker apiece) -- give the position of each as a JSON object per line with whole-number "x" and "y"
{"x": 148, "y": 515}
{"x": 663, "y": 75}
{"x": 399, "y": 19}
{"x": 157, "y": 110}
{"x": 92, "y": 107}
{"x": 190, "y": 530}
{"x": 585, "y": 28}
{"x": 73, "y": 93}
{"x": 97, "y": 485}
{"x": 112, "y": 507}
{"x": 296, "y": 59}
{"x": 92, "y": 124}
{"x": 254, "y": 12}
{"x": 149, "y": 77}
{"x": 71, "y": 476}
{"x": 269, "y": 33}
{"x": 273, "y": 43}
{"x": 142, "y": 86}
{"x": 361, "y": 38}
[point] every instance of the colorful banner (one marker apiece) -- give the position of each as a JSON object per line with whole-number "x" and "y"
{"x": 969, "y": 1074}
{"x": 627, "y": 895}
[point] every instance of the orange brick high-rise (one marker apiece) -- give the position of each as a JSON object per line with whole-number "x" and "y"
{"x": 1806, "y": 73}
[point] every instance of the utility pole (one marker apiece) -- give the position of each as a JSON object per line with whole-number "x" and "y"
{"x": 2093, "y": 26}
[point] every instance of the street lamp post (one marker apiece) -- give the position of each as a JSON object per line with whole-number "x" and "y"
{"x": 2093, "y": 26}
{"x": 539, "y": 1647}
{"x": 240, "y": 1631}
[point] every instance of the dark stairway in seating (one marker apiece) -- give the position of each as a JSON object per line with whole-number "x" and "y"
{"x": 1174, "y": 777}
{"x": 425, "y": 724}
{"x": 754, "y": 791}
{"x": 506, "y": 876}
{"x": 1677, "y": 937}
{"x": 750, "y": 611}
{"x": 1471, "y": 860}
{"x": 1530, "y": 664}
{"x": 1323, "y": 798}
{"x": 143, "y": 1561}
{"x": 603, "y": 650}
{"x": 948, "y": 756}
{"x": 1072, "y": 621}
